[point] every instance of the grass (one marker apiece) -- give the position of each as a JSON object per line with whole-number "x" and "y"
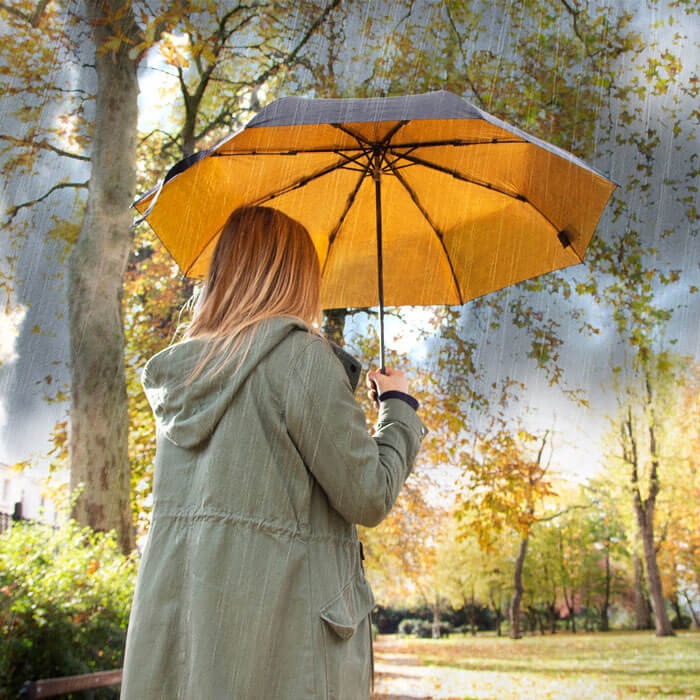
{"x": 601, "y": 666}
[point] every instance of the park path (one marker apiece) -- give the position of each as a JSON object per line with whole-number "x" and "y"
{"x": 399, "y": 675}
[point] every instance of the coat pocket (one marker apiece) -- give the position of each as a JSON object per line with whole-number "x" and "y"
{"x": 345, "y": 612}
{"x": 347, "y": 641}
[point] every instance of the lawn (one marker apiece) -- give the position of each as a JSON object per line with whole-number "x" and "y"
{"x": 597, "y": 666}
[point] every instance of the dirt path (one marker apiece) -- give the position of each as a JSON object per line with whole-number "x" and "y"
{"x": 399, "y": 675}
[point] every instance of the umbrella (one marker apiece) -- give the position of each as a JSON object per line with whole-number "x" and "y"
{"x": 416, "y": 200}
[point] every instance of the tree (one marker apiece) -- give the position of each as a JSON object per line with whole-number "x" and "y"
{"x": 504, "y": 489}
{"x": 99, "y": 417}
{"x": 462, "y": 568}
{"x": 678, "y": 505}
{"x": 608, "y": 538}
{"x": 104, "y": 138}
{"x": 640, "y": 449}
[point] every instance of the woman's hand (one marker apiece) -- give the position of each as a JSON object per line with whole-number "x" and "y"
{"x": 393, "y": 380}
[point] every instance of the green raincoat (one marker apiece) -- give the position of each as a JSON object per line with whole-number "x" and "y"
{"x": 251, "y": 583}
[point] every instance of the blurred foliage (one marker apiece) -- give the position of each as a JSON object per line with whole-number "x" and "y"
{"x": 65, "y": 596}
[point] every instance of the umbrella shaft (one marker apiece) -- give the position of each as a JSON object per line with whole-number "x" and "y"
{"x": 380, "y": 272}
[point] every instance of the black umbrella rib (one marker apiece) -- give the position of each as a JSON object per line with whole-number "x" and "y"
{"x": 371, "y": 144}
{"x": 268, "y": 197}
{"x": 364, "y": 143}
{"x": 486, "y": 185}
{"x": 455, "y": 174}
{"x": 436, "y": 230}
{"x": 455, "y": 142}
{"x": 304, "y": 181}
{"x": 290, "y": 152}
{"x": 348, "y": 205}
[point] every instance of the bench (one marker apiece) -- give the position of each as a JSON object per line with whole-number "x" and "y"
{"x": 51, "y": 687}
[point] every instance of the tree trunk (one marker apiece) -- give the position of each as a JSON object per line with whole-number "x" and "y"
{"x": 472, "y": 615}
{"x": 587, "y": 618}
{"x": 536, "y": 618}
{"x": 334, "y": 325}
{"x": 662, "y": 623}
{"x": 99, "y": 418}
{"x": 604, "y": 621}
{"x": 695, "y": 620}
{"x": 677, "y": 608}
{"x": 499, "y": 616}
{"x": 514, "y": 609}
{"x": 642, "y": 612}
{"x": 571, "y": 609}
{"x": 644, "y": 510}
{"x": 552, "y": 608}
{"x": 436, "y": 618}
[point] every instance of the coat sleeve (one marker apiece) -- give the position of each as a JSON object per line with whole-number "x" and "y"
{"x": 360, "y": 474}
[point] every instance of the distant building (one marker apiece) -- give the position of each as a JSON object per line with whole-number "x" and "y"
{"x": 21, "y": 495}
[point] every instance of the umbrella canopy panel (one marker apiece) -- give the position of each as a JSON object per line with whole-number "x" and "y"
{"x": 469, "y": 203}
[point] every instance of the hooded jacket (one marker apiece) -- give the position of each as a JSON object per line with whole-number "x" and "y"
{"x": 251, "y": 584}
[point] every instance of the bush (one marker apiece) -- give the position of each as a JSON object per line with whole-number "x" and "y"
{"x": 423, "y": 628}
{"x": 388, "y": 619}
{"x": 409, "y": 626}
{"x": 65, "y": 597}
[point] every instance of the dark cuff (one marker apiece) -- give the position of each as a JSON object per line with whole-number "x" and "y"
{"x": 400, "y": 395}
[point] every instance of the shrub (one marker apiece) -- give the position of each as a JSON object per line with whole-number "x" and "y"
{"x": 409, "y": 626}
{"x": 425, "y": 629}
{"x": 388, "y": 619}
{"x": 65, "y": 597}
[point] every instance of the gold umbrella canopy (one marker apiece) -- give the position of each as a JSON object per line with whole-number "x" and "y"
{"x": 463, "y": 203}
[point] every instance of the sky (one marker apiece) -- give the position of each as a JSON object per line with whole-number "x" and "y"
{"x": 28, "y": 356}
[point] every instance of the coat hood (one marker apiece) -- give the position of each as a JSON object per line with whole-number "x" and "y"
{"x": 187, "y": 414}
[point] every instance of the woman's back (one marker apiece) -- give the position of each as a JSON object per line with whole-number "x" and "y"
{"x": 251, "y": 585}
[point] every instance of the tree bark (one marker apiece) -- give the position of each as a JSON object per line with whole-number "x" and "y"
{"x": 695, "y": 620}
{"x": 472, "y": 615}
{"x": 571, "y": 608}
{"x": 514, "y": 609}
{"x": 99, "y": 419}
{"x": 604, "y": 620}
{"x": 535, "y": 620}
{"x": 644, "y": 512}
{"x": 552, "y": 609}
{"x": 679, "y": 614}
{"x": 499, "y": 615}
{"x": 642, "y": 612}
{"x": 436, "y": 617}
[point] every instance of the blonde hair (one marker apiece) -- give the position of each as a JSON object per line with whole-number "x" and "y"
{"x": 264, "y": 265}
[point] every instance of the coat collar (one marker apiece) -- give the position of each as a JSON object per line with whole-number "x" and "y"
{"x": 352, "y": 366}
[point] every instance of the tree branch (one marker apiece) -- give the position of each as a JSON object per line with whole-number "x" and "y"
{"x": 60, "y": 186}
{"x": 45, "y": 145}
{"x": 32, "y": 19}
{"x": 292, "y": 56}
{"x": 460, "y": 43}
{"x": 562, "y": 512}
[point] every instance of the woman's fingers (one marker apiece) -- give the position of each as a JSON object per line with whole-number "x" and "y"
{"x": 390, "y": 380}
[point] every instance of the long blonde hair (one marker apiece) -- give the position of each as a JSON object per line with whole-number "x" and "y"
{"x": 264, "y": 265}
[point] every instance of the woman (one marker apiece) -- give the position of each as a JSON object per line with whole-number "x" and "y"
{"x": 251, "y": 584}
